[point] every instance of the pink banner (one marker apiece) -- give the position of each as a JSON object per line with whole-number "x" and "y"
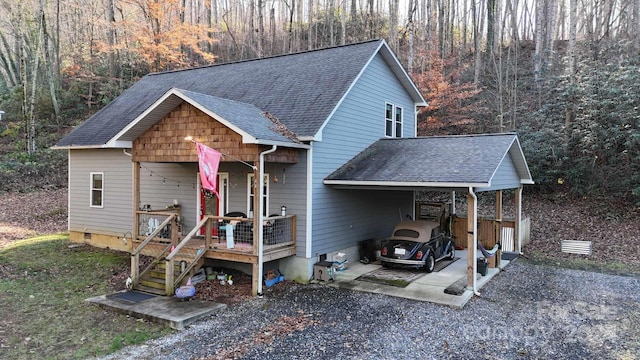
{"x": 208, "y": 160}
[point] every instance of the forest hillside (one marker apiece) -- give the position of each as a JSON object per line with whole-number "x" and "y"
{"x": 564, "y": 75}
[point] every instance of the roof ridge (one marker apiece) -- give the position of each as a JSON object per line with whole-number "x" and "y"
{"x": 453, "y": 136}
{"x": 263, "y": 58}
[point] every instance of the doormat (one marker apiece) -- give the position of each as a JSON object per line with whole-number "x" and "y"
{"x": 509, "y": 256}
{"x": 132, "y": 297}
{"x": 393, "y": 277}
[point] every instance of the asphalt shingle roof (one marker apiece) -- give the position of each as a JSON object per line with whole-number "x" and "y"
{"x": 246, "y": 116}
{"x": 299, "y": 89}
{"x": 439, "y": 159}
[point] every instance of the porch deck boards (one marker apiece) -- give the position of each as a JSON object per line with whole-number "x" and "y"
{"x": 242, "y": 252}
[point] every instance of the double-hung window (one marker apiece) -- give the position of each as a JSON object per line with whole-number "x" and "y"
{"x": 251, "y": 193}
{"x": 97, "y": 189}
{"x": 393, "y": 120}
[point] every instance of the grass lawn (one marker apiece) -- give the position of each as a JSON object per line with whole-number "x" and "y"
{"x": 43, "y": 285}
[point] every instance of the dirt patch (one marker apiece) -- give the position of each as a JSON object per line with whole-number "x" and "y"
{"x": 24, "y": 215}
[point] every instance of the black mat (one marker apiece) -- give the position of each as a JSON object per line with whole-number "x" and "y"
{"x": 458, "y": 287}
{"x": 400, "y": 277}
{"x": 133, "y": 297}
{"x": 508, "y": 256}
{"x": 443, "y": 264}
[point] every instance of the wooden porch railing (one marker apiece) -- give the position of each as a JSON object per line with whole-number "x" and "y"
{"x": 179, "y": 251}
{"x": 212, "y": 233}
{"x": 169, "y": 224}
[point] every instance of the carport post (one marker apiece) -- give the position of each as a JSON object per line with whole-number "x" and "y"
{"x": 472, "y": 227}
{"x": 517, "y": 226}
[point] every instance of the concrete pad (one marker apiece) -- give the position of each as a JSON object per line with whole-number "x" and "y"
{"x": 166, "y": 310}
{"x": 429, "y": 287}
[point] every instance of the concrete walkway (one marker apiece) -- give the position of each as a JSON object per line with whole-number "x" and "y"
{"x": 429, "y": 287}
{"x": 162, "y": 309}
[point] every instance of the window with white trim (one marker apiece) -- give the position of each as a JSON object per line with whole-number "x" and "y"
{"x": 96, "y": 189}
{"x": 392, "y": 120}
{"x": 251, "y": 195}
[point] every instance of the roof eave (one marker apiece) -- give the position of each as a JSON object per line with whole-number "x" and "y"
{"x": 281, "y": 143}
{"x": 115, "y": 145}
{"x": 408, "y": 184}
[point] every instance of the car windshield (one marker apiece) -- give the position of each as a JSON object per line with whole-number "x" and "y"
{"x": 406, "y": 233}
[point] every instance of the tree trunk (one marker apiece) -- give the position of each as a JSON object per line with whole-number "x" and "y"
{"x": 393, "y": 25}
{"x": 343, "y": 23}
{"x": 111, "y": 35}
{"x": 49, "y": 65}
{"x": 260, "y": 28}
{"x": 476, "y": 45}
{"x": 410, "y": 30}
{"x": 573, "y": 27}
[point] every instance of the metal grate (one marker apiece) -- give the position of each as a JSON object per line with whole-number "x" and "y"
{"x": 576, "y": 247}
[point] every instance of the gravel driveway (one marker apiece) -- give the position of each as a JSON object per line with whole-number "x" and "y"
{"x": 527, "y": 312}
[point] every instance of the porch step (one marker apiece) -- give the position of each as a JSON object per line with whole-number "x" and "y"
{"x": 150, "y": 290}
{"x": 152, "y": 282}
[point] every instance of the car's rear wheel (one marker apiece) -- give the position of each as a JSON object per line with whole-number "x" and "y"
{"x": 430, "y": 263}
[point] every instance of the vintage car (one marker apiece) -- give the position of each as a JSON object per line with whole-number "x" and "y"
{"x": 417, "y": 244}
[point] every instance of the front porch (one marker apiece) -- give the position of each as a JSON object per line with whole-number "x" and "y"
{"x": 163, "y": 258}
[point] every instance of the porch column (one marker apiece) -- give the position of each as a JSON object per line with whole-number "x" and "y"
{"x": 257, "y": 199}
{"x": 136, "y": 198}
{"x": 472, "y": 225}
{"x": 517, "y": 225}
{"x": 498, "y": 226}
{"x": 134, "y": 232}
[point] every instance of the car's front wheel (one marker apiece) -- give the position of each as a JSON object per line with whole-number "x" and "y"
{"x": 430, "y": 263}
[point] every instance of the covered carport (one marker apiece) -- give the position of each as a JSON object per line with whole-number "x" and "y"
{"x": 464, "y": 164}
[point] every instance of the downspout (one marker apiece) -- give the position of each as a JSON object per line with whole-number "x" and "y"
{"x": 260, "y": 217}
{"x": 475, "y": 241}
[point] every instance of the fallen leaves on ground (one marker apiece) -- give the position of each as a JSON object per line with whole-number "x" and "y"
{"x": 280, "y": 327}
{"x": 25, "y": 215}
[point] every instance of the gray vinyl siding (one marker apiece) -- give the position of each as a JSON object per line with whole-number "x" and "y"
{"x": 161, "y": 183}
{"x": 115, "y": 217}
{"x": 291, "y": 193}
{"x": 341, "y": 218}
{"x": 288, "y": 191}
{"x": 505, "y": 177}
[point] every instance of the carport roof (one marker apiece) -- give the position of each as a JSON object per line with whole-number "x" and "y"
{"x": 483, "y": 162}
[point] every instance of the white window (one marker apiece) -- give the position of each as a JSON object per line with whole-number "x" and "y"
{"x": 388, "y": 120}
{"x": 398, "y": 122}
{"x": 392, "y": 120}
{"x": 251, "y": 192}
{"x": 97, "y": 189}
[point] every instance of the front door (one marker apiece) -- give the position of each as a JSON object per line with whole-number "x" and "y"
{"x": 209, "y": 204}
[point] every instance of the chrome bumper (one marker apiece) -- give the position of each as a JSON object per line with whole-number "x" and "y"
{"x": 402, "y": 262}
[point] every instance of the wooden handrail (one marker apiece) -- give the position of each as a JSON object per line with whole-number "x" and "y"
{"x": 190, "y": 235}
{"x": 135, "y": 254}
{"x": 170, "y": 282}
{"x": 153, "y": 234}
